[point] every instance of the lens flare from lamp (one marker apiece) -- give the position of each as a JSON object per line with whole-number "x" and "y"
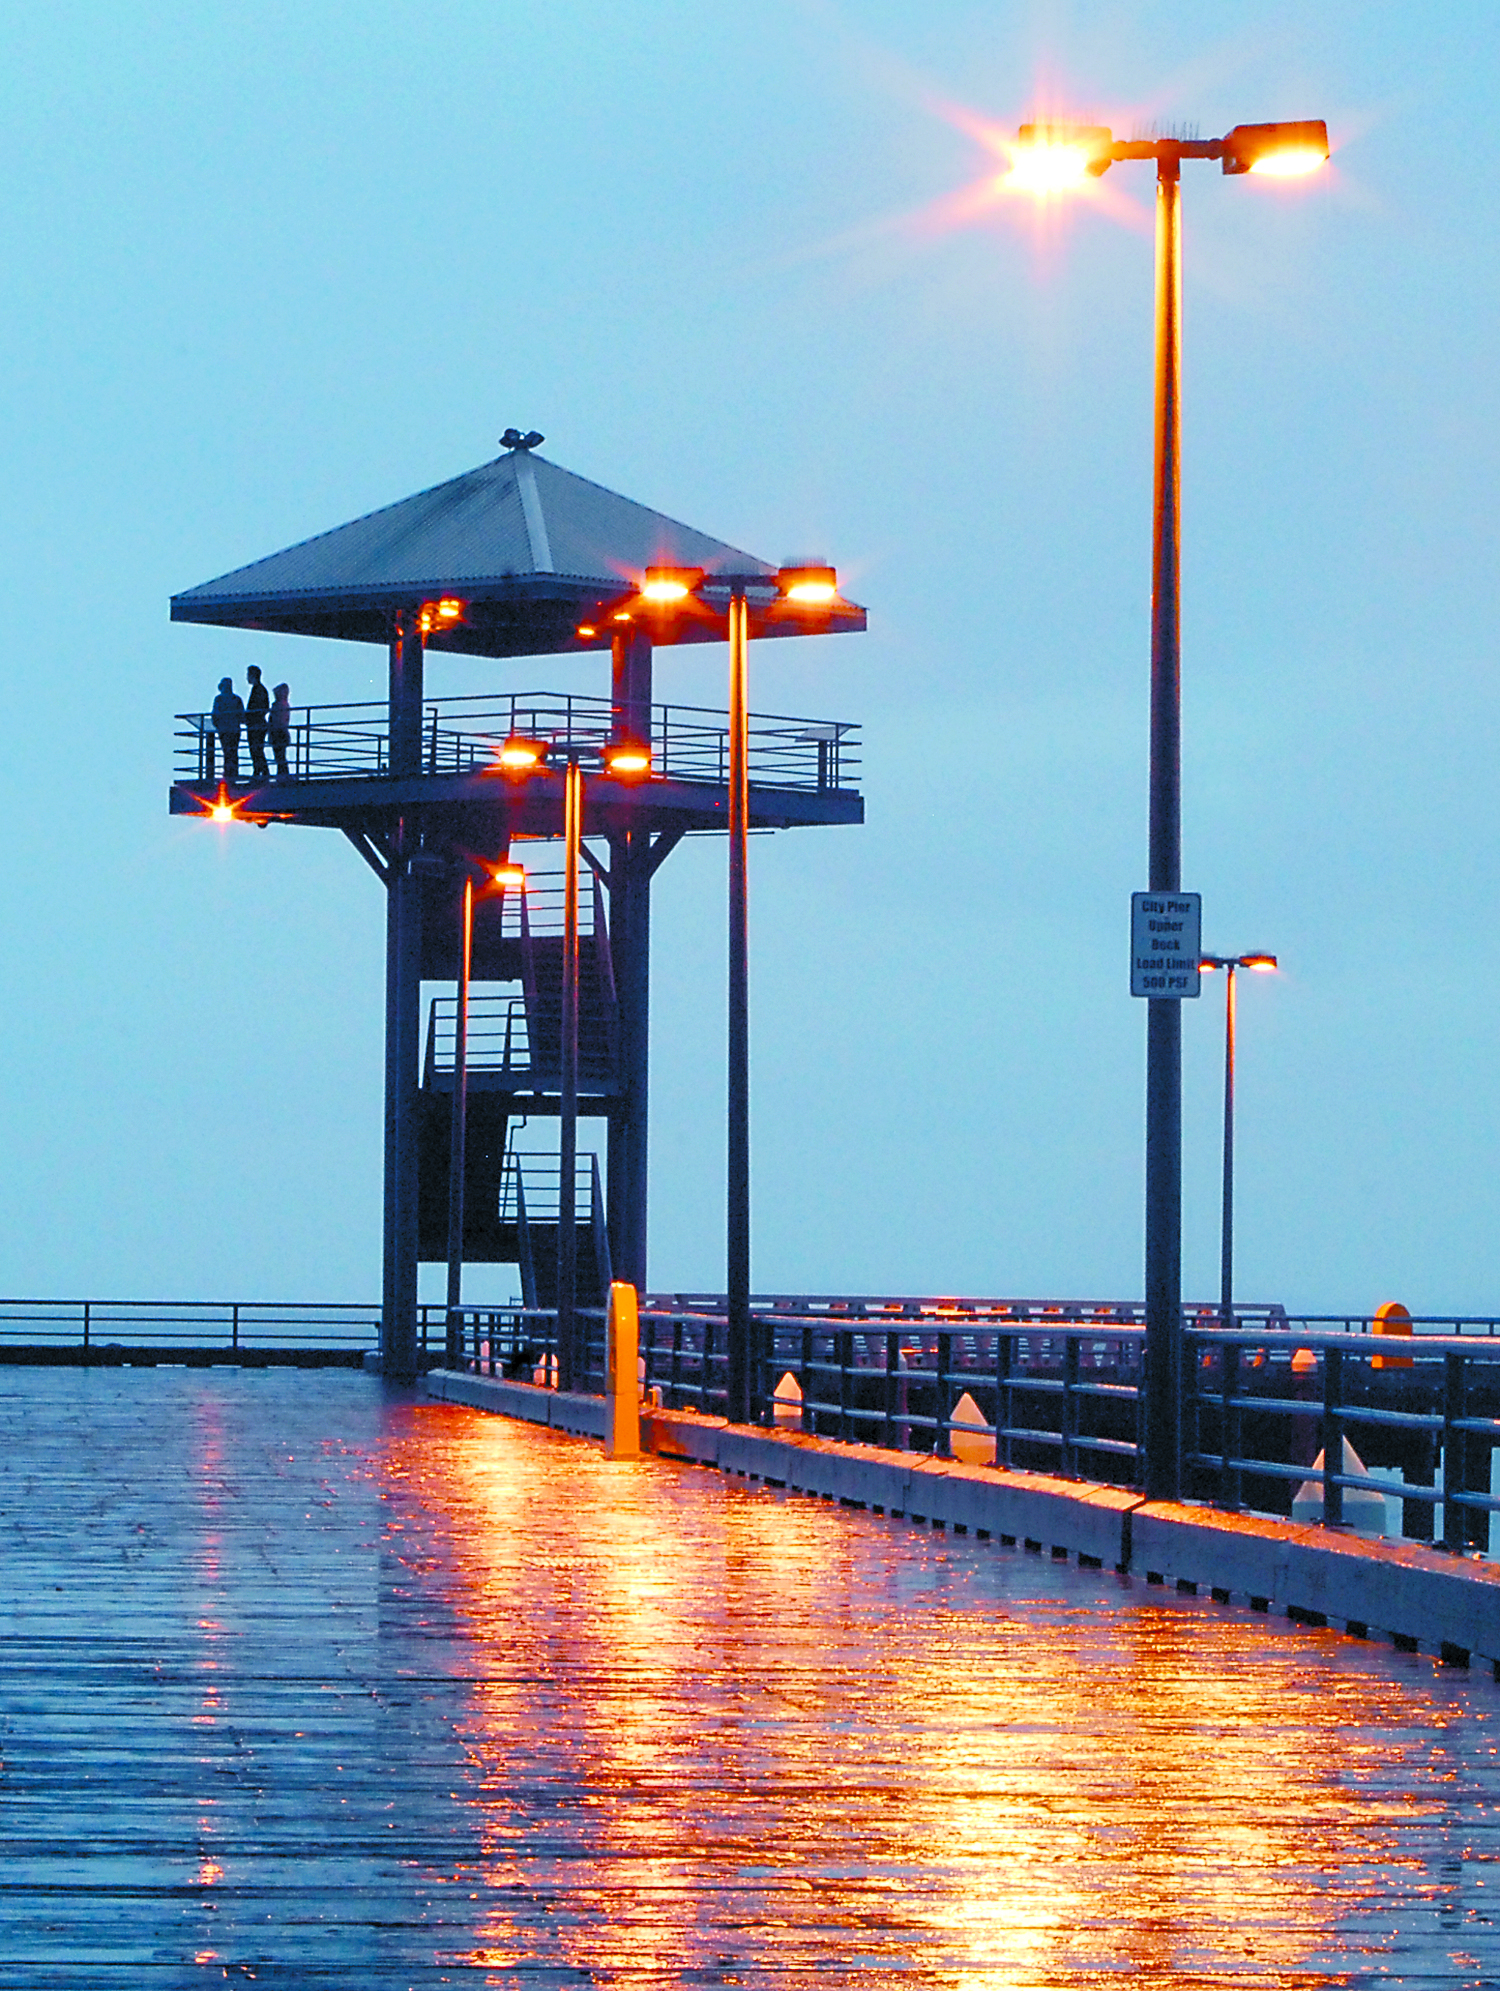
{"x": 1049, "y": 159}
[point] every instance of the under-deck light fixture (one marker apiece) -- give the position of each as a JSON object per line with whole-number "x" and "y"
{"x": 440, "y": 614}
{"x": 585, "y": 631}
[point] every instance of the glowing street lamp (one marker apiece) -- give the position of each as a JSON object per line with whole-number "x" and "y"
{"x": 1261, "y": 964}
{"x": 627, "y": 759}
{"x": 808, "y": 590}
{"x": 504, "y": 877}
{"x": 1050, "y": 158}
{"x": 520, "y": 756}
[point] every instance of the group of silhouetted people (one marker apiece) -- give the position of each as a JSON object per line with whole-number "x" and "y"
{"x": 262, "y": 716}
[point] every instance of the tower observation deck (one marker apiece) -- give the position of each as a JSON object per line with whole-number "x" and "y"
{"x": 517, "y": 559}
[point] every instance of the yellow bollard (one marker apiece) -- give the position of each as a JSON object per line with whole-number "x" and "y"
{"x": 622, "y": 1398}
{"x": 1392, "y": 1318}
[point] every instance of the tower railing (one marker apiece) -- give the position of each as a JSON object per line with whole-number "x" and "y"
{"x": 463, "y": 736}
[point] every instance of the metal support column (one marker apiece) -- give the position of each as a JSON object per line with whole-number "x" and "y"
{"x": 632, "y": 866}
{"x": 1163, "y": 1432}
{"x": 403, "y": 1019}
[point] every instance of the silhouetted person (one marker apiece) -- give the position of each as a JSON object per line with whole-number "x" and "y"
{"x": 257, "y": 706}
{"x": 228, "y": 716}
{"x": 281, "y": 728}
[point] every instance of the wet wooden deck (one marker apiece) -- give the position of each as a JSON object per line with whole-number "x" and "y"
{"x": 305, "y": 1684}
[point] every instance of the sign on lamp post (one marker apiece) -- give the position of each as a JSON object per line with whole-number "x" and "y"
{"x": 1165, "y": 931}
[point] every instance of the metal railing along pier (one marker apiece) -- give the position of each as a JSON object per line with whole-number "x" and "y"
{"x": 1059, "y": 1390}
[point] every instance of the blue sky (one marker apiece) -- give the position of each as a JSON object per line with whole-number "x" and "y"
{"x": 270, "y": 267}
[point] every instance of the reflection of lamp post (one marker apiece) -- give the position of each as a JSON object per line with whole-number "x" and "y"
{"x": 505, "y": 874}
{"x": 798, "y": 590}
{"x": 1262, "y": 964}
{"x": 1051, "y": 158}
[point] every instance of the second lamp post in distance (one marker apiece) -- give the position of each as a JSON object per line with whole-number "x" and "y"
{"x": 1262, "y": 964}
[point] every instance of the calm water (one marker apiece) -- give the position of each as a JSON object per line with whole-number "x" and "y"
{"x": 306, "y": 1685}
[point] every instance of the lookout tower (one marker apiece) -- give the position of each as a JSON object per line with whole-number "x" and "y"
{"x": 516, "y": 559}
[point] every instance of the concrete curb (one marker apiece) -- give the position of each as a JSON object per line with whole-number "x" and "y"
{"x": 1419, "y": 1598}
{"x": 583, "y": 1416}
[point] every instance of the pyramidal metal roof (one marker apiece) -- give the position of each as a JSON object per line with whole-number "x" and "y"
{"x": 530, "y": 548}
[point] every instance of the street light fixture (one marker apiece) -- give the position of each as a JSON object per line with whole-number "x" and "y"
{"x": 627, "y": 759}
{"x": 1261, "y": 964}
{"x": 520, "y": 756}
{"x": 1051, "y": 158}
{"x": 802, "y": 590}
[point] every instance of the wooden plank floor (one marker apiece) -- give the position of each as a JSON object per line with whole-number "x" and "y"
{"x": 305, "y": 1684}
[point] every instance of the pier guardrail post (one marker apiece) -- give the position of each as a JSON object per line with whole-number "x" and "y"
{"x": 1229, "y": 1427}
{"x": 1455, "y": 1451}
{"x": 942, "y": 1442}
{"x": 1070, "y": 1407}
{"x": 1005, "y": 1366}
{"x": 1333, "y": 1437}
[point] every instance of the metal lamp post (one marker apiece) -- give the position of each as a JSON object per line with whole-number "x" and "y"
{"x": 626, "y": 760}
{"x": 805, "y": 589}
{"x": 567, "y": 1179}
{"x": 1261, "y": 964}
{"x": 504, "y": 875}
{"x": 1049, "y": 159}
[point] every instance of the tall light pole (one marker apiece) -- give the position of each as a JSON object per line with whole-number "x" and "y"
{"x": 810, "y": 590}
{"x": 567, "y": 1179}
{"x": 1263, "y": 964}
{"x": 1050, "y": 158}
